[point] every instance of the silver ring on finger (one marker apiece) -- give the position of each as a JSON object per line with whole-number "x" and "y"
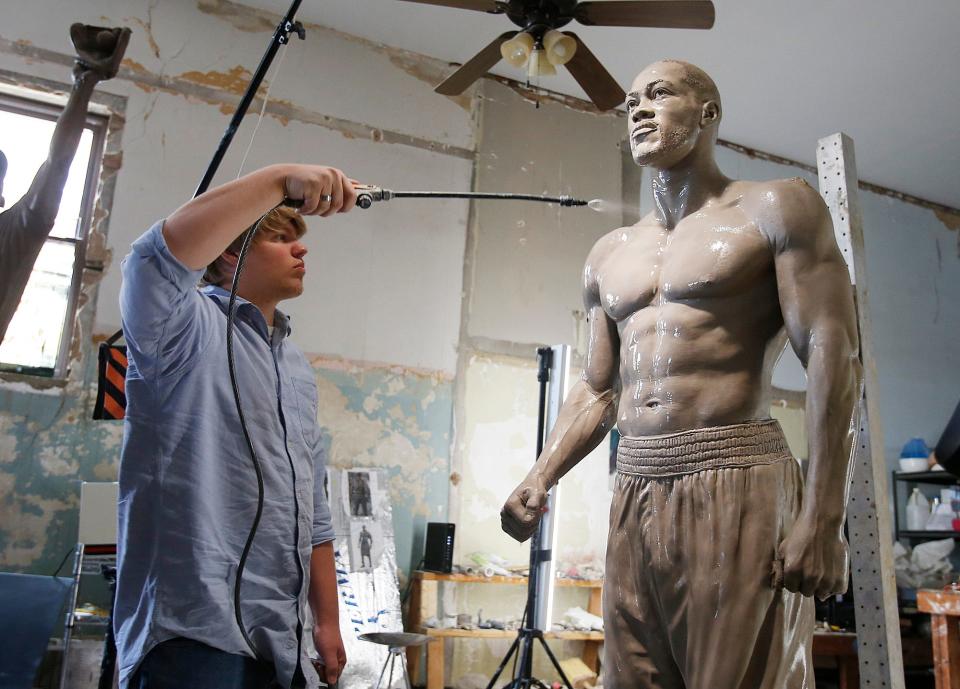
{"x": 326, "y": 198}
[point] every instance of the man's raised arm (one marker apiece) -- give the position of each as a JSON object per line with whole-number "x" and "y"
{"x": 200, "y": 230}
{"x": 818, "y": 309}
{"x": 585, "y": 418}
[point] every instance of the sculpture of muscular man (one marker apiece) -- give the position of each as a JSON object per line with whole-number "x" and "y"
{"x": 25, "y": 225}
{"x": 714, "y": 550}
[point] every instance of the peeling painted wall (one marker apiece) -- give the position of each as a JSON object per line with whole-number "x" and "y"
{"x": 383, "y": 344}
{"x": 394, "y": 417}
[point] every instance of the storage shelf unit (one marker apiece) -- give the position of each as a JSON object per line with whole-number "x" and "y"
{"x": 938, "y": 478}
{"x": 435, "y": 648}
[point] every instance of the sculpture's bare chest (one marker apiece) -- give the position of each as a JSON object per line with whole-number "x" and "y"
{"x": 712, "y": 254}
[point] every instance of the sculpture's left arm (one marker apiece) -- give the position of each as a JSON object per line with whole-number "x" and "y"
{"x": 817, "y": 303}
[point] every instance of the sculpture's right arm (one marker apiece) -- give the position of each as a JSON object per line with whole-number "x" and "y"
{"x": 585, "y": 418}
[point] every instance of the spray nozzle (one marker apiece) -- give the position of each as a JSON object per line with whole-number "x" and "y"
{"x": 367, "y": 194}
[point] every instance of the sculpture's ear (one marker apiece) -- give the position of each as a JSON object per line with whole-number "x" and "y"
{"x": 710, "y": 114}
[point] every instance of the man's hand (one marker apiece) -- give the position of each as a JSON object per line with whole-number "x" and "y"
{"x": 333, "y": 657}
{"x": 815, "y": 560}
{"x": 314, "y": 185}
{"x": 522, "y": 511}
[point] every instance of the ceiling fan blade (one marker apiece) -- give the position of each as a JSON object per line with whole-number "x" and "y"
{"x": 668, "y": 14}
{"x": 475, "y": 68}
{"x": 594, "y": 78}
{"x": 491, "y": 6}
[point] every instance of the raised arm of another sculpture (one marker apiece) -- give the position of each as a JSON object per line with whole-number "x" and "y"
{"x": 818, "y": 310}
{"x": 585, "y": 418}
{"x": 99, "y": 52}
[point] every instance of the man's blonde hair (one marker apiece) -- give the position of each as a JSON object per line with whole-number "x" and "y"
{"x": 276, "y": 222}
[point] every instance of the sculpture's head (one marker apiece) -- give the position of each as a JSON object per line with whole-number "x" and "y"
{"x": 3, "y": 173}
{"x": 673, "y": 108}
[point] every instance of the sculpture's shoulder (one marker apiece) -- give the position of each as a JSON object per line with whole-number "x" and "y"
{"x": 602, "y": 250}
{"x": 785, "y": 210}
{"x": 609, "y": 243}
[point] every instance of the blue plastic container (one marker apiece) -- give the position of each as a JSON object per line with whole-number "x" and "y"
{"x": 915, "y": 448}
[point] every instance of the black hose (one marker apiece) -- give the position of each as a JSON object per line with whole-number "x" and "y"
{"x": 231, "y": 317}
{"x": 562, "y": 200}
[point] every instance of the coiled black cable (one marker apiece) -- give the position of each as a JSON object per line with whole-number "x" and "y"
{"x": 231, "y": 364}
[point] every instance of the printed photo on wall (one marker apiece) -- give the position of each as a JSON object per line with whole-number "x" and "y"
{"x": 360, "y": 486}
{"x": 366, "y": 544}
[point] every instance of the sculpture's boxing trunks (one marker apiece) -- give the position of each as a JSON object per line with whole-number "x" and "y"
{"x": 688, "y": 599}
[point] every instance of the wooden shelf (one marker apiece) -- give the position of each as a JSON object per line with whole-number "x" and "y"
{"x": 435, "y": 647}
{"x": 498, "y": 579}
{"x": 506, "y": 634}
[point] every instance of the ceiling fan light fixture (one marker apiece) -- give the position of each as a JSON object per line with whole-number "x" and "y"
{"x": 517, "y": 50}
{"x": 540, "y": 65}
{"x": 559, "y": 47}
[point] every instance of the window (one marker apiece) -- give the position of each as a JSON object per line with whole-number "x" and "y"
{"x": 38, "y": 338}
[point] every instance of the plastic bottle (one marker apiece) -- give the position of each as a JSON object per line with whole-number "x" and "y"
{"x": 918, "y": 511}
{"x": 913, "y": 456}
{"x": 915, "y": 447}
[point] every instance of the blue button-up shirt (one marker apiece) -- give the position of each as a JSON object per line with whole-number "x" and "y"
{"x": 188, "y": 491}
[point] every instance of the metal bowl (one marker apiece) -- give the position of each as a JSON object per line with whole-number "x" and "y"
{"x": 395, "y": 639}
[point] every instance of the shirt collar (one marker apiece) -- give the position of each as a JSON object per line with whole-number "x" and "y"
{"x": 281, "y": 321}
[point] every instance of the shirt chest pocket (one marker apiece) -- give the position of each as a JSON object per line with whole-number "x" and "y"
{"x": 305, "y": 395}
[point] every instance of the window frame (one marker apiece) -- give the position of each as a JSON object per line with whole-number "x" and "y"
{"x": 38, "y": 104}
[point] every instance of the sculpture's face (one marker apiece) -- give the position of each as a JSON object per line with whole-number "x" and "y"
{"x": 664, "y": 116}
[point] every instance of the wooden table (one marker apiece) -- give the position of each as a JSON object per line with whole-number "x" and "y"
{"x": 944, "y": 609}
{"x": 435, "y": 648}
{"x": 842, "y": 647}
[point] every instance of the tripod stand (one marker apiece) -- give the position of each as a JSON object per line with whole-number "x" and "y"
{"x": 529, "y": 633}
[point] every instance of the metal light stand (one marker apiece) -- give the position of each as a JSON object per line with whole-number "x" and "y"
{"x": 281, "y": 37}
{"x": 553, "y": 363}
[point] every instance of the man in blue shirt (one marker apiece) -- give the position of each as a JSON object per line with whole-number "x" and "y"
{"x": 188, "y": 489}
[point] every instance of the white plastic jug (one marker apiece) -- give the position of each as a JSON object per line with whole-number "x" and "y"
{"x": 918, "y": 511}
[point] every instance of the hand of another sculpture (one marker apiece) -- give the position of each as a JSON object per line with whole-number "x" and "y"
{"x": 815, "y": 559}
{"x": 521, "y": 512}
{"x": 99, "y": 50}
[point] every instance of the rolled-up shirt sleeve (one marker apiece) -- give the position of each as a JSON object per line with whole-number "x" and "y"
{"x": 160, "y": 306}
{"x": 322, "y": 522}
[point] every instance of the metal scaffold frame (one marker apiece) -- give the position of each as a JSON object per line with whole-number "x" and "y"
{"x": 868, "y": 514}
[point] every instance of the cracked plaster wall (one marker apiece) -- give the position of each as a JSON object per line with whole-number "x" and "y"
{"x": 383, "y": 344}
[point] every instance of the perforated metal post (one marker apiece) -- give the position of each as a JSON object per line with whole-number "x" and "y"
{"x": 868, "y": 513}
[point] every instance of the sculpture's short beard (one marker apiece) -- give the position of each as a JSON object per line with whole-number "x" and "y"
{"x": 672, "y": 146}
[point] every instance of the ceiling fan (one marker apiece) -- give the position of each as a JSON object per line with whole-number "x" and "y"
{"x": 542, "y": 47}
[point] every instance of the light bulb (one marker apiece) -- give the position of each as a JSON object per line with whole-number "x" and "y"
{"x": 560, "y": 48}
{"x": 517, "y": 49}
{"x": 539, "y": 66}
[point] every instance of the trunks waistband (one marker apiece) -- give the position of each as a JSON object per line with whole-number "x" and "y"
{"x": 720, "y": 447}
